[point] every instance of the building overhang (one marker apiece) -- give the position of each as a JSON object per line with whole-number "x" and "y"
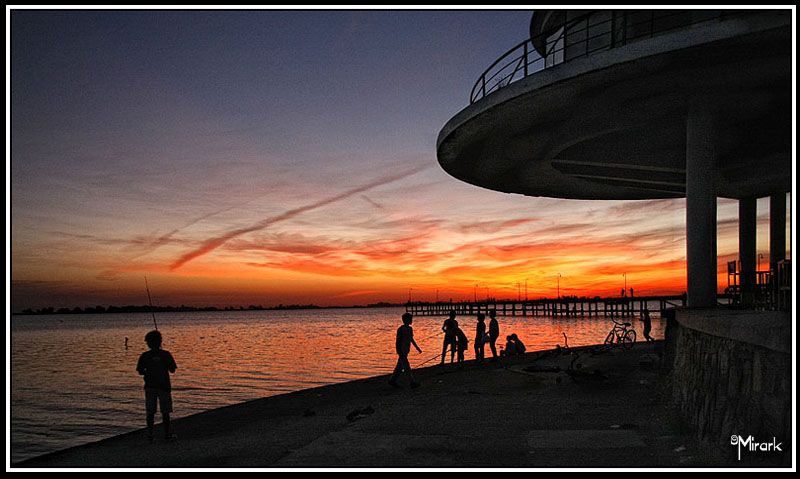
{"x": 612, "y": 125}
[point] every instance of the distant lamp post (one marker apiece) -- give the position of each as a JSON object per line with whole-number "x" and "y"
{"x": 625, "y": 283}
{"x": 558, "y": 286}
{"x": 526, "y": 289}
{"x": 409, "y": 294}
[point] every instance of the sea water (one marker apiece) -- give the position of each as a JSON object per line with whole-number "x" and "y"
{"x": 73, "y": 380}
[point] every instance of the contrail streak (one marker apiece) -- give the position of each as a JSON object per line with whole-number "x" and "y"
{"x": 167, "y": 237}
{"x": 211, "y": 244}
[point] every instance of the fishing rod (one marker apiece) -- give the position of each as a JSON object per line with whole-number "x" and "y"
{"x": 151, "y": 303}
{"x": 429, "y": 360}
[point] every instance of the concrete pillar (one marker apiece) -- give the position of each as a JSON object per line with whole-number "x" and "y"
{"x": 777, "y": 229}
{"x": 701, "y": 208}
{"x": 747, "y": 249}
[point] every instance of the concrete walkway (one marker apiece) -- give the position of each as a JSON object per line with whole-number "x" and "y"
{"x": 480, "y": 416}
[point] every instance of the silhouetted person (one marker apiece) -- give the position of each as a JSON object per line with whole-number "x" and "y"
{"x": 622, "y": 292}
{"x": 510, "y": 348}
{"x": 480, "y": 337}
{"x": 519, "y": 344}
{"x": 156, "y": 365}
{"x": 126, "y": 342}
{"x": 402, "y": 344}
{"x": 449, "y": 329}
{"x": 514, "y": 346}
{"x": 463, "y": 344}
{"x": 494, "y": 333}
{"x": 647, "y": 325}
{"x": 631, "y": 292}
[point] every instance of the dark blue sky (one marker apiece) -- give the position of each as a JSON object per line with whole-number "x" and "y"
{"x": 127, "y": 98}
{"x": 294, "y": 80}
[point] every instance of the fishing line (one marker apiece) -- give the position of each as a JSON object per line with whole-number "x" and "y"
{"x": 429, "y": 360}
{"x": 432, "y": 335}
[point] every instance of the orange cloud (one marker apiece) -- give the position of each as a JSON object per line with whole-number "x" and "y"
{"x": 213, "y": 243}
{"x": 377, "y": 252}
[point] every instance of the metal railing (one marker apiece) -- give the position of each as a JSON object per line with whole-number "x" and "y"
{"x": 583, "y": 35}
{"x": 782, "y": 286}
{"x": 761, "y": 290}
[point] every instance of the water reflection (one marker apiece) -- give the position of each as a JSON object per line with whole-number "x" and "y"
{"x": 73, "y": 380}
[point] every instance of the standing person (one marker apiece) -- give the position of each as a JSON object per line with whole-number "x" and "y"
{"x": 494, "y": 333}
{"x": 402, "y": 344}
{"x": 480, "y": 337}
{"x": 449, "y": 329}
{"x": 646, "y": 321}
{"x": 463, "y": 344}
{"x": 156, "y": 365}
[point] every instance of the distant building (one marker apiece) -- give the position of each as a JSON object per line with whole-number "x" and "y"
{"x": 645, "y": 104}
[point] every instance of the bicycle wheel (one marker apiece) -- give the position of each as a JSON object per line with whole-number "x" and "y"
{"x": 628, "y": 339}
{"x": 610, "y": 338}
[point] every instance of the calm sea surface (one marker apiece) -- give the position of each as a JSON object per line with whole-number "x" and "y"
{"x": 73, "y": 381}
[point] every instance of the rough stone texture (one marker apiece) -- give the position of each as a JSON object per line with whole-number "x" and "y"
{"x": 726, "y": 386}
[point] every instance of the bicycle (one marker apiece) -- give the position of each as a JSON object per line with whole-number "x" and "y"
{"x": 620, "y": 335}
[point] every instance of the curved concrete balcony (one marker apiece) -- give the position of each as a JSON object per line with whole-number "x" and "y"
{"x": 599, "y": 108}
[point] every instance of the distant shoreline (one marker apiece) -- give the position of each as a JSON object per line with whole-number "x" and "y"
{"x": 51, "y": 310}
{"x": 48, "y": 311}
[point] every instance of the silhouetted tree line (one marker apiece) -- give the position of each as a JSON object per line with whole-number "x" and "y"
{"x": 133, "y": 309}
{"x": 183, "y": 308}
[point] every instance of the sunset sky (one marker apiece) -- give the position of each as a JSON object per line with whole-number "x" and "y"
{"x": 268, "y": 157}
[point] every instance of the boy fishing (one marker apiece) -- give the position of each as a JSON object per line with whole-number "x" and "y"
{"x": 156, "y": 365}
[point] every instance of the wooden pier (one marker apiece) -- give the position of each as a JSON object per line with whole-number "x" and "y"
{"x": 555, "y": 307}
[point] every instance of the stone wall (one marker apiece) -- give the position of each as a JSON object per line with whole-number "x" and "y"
{"x": 731, "y": 375}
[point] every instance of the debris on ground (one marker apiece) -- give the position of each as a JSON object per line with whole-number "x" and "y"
{"x": 361, "y": 413}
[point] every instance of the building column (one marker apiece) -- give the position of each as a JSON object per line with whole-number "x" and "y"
{"x": 701, "y": 208}
{"x": 777, "y": 229}
{"x": 747, "y": 249}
